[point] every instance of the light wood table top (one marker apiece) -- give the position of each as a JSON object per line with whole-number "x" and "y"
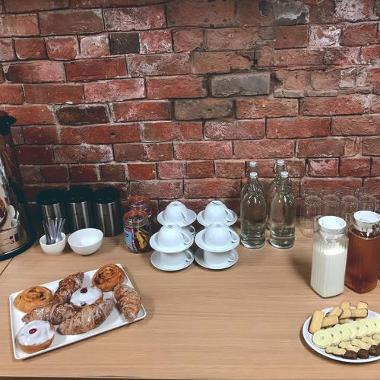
{"x": 3, "y": 265}
{"x": 243, "y": 322}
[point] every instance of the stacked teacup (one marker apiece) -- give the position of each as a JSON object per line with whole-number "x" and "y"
{"x": 217, "y": 242}
{"x": 172, "y": 242}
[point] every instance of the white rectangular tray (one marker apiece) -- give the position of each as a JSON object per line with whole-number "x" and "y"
{"x": 114, "y": 320}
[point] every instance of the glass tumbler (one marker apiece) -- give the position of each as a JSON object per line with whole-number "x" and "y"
{"x": 310, "y": 212}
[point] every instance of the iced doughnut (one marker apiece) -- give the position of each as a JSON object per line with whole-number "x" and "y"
{"x": 86, "y": 296}
{"x": 35, "y": 336}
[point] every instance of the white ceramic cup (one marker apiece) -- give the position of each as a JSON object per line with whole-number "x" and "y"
{"x": 217, "y": 258}
{"x": 218, "y": 235}
{"x": 172, "y": 236}
{"x": 190, "y": 230}
{"x": 175, "y": 213}
{"x": 173, "y": 259}
{"x": 217, "y": 212}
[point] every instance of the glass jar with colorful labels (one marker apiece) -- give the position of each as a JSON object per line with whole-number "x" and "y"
{"x": 136, "y": 231}
{"x": 142, "y": 203}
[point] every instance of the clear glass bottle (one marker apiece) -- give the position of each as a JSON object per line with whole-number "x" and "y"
{"x": 329, "y": 256}
{"x": 283, "y": 214}
{"x": 279, "y": 166}
{"x": 252, "y": 165}
{"x": 253, "y": 214}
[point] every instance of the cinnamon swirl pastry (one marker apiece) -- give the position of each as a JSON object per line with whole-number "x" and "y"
{"x": 54, "y": 313}
{"x": 32, "y": 298}
{"x": 107, "y": 277}
{"x": 128, "y": 301}
{"x": 67, "y": 287}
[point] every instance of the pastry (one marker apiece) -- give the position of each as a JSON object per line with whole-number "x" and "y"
{"x": 362, "y": 305}
{"x": 336, "y": 311}
{"x": 346, "y": 313}
{"x": 316, "y": 321}
{"x": 345, "y": 305}
{"x": 87, "y": 318}
{"x": 67, "y": 287}
{"x": 107, "y": 277}
{"x": 32, "y": 298}
{"x": 54, "y": 313}
{"x": 359, "y": 313}
{"x": 330, "y": 321}
{"x": 128, "y": 301}
{"x": 35, "y": 336}
{"x": 86, "y": 296}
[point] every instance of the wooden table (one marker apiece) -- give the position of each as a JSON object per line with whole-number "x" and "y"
{"x": 3, "y": 265}
{"x": 244, "y": 322}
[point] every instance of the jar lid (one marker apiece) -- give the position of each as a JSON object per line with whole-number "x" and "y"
{"x": 366, "y": 220}
{"x": 135, "y": 218}
{"x": 332, "y": 224}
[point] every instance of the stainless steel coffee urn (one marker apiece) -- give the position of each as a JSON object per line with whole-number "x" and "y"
{"x": 16, "y": 234}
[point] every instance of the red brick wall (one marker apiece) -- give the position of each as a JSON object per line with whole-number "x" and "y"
{"x": 176, "y": 96}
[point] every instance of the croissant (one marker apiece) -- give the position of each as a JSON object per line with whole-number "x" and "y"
{"x": 128, "y": 301}
{"x": 67, "y": 287}
{"x": 54, "y": 313}
{"x": 87, "y": 318}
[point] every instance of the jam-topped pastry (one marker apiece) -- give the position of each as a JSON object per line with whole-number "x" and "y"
{"x": 86, "y": 296}
{"x": 35, "y": 336}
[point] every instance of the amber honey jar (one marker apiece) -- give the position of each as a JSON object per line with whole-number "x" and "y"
{"x": 363, "y": 256}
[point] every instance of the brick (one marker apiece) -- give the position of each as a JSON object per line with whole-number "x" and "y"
{"x": 358, "y": 34}
{"x": 300, "y": 127}
{"x": 141, "y": 110}
{"x": 236, "y": 129}
{"x": 11, "y": 94}
{"x": 22, "y": 6}
{"x": 292, "y": 80}
{"x": 200, "y": 169}
{"x": 212, "y": 187}
{"x": 168, "y": 131}
{"x": 155, "y": 189}
{"x": 264, "y": 149}
{"x": 324, "y": 167}
{"x": 55, "y": 173}
{"x": 6, "y": 49}
{"x": 82, "y": 153}
{"x": 231, "y": 38}
{"x": 62, "y": 48}
{"x": 372, "y": 185}
{"x": 141, "y": 18}
{"x": 34, "y": 154}
{"x": 94, "y": 46}
{"x": 340, "y": 105}
{"x": 355, "y": 167}
{"x": 322, "y": 36}
{"x": 171, "y": 169}
{"x": 295, "y": 167}
{"x": 97, "y": 134}
{"x": 124, "y": 43}
{"x": 111, "y": 3}
{"x": 342, "y": 56}
{"x": 112, "y": 172}
{"x": 17, "y": 136}
{"x": 291, "y": 37}
{"x": 186, "y": 86}
{"x": 30, "y": 48}
{"x": 156, "y": 41}
{"x": 362, "y": 125}
{"x": 290, "y": 12}
{"x": 83, "y": 173}
{"x": 114, "y": 90}
{"x": 240, "y": 84}
{"x": 330, "y": 184}
{"x": 325, "y": 80}
{"x": 265, "y": 107}
{"x": 375, "y": 167}
{"x": 141, "y": 171}
{"x": 321, "y": 147}
{"x": 322, "y": 11}
{"x": 203, "y": 150}
{"x": 371, "y": 146}
{"x": 370, "y": 54}
{"x": 375, "y": 104}
{"x": 40, "y": 135}
{"x": 71, "y": 22}
{"x": 78, "y": 115}
{"x": 18, "y": 25}
{"x": 34, "y": 72}
{"x": 30, "y": 174}
{"x": 53, "y": 93}
{"x": 143, "y": 152}
{"x": 207, "y": 108}
{"x": 187, "y": 40}
{"x": 256, "y": 13}
{"x": 219, "y": 62}
{"x": 30, "y": 114}
{"x": 101, "y": 68}
{"x": 353, "y": 10}
{"x": 374, "y": 79}
{"x": 230, "y": 169}
{"x": 159, "y": 64}
{"x": 205, "y": 13}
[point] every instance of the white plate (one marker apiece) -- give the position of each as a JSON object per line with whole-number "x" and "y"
{"x": 154, "y": 260}
{"x": 228, "y": 264}
{"x": 114, "y": 320}
{"x": 308, "y": 337}
{"x": 204, "y": 223}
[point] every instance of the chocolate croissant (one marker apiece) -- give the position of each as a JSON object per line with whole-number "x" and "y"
{"x": 87, "y": 318}
{"x": 128, "y": 301}
{"x": 67, "y": 287}
{"x": 54, "y": 313}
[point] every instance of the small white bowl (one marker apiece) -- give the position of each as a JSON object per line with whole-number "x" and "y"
{"x": 86, "y": 241}
{"x": 53, "y": 249}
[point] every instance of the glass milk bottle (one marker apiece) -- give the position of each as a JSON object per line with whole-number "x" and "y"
{"x": 329, "y": 256}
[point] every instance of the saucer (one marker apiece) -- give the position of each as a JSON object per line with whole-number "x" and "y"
{"x": 154, "y": 259}
{"x": 204, "y": 223}
{"x": 157, "y": 247}
{"x": 200, "y": 261}
{"x": 191, "y": 217}
{"x": 199, "y": 241}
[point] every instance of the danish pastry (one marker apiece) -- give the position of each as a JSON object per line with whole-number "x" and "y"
{"x": 35, "y": 336}
{"x": 67, "y": 287}
{"x": 107, "y": 277}
{"x": 128, "y": 301}
{"x": 54, "y": 313}
{"x": 29, "y": 299}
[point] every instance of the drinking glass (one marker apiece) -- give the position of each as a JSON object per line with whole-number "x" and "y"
{"x": 366, "y": 201}
{"x": 310, "y": 211}
{"x": 330, "y": 204}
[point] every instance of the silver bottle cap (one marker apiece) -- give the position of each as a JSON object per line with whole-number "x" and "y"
{"x": 252, "y": 164}
{"x": 284, "y": 174}
{"x": 252, "y": 175}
